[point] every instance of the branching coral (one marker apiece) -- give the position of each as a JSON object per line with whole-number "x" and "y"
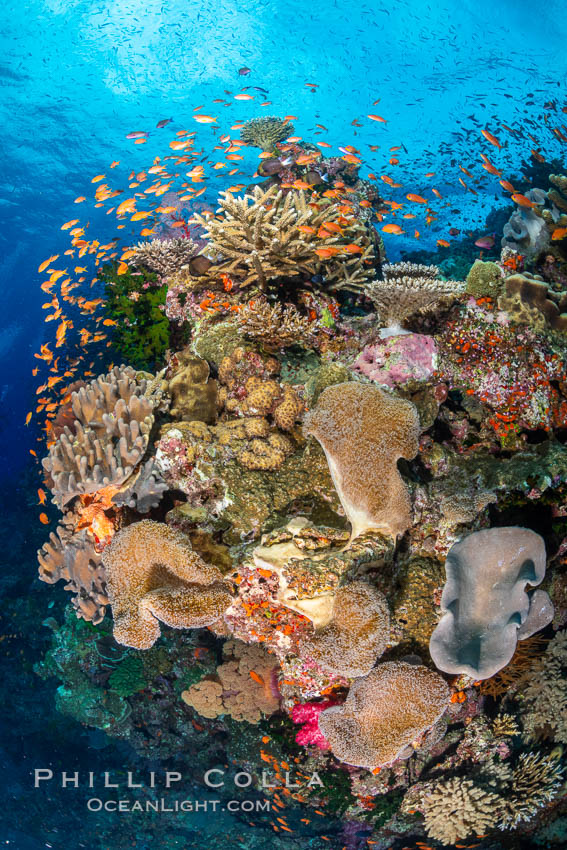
{"x": 536, "y": 780}
{"x": 153, "y": 574}
{"x": 265, "y": 132}
{"x": 363, "y": 432}
{"x": 458, "y": 807}
{"x": 356, "y": 635}
{"x": 164, "y": 256}
{"x": 72, "y": 557}
{"x": 544, "y": 710}
{"x": 484, "y": 601}
{"x": 407, "y": 290}
{"x": 108, "y": 438}
{"x": 384, "y": 713}
{"x": 275, "y": 325}
{"x": 268, "y": 234}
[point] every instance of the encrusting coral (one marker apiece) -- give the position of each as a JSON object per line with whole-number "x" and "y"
{"x": 107, "y": 439}
{"x": 265, "y": 132}
{"x": 405, "y": 291}
{"x": 193, "y": 393}
{"x": 356, "y": 635}
{"x": 384, "y": 713}
{"x": 164, "y": 256}
{"x": 153, "y": 574}
{"x": 363, "y": 432}
{"x": 485, "y": 605}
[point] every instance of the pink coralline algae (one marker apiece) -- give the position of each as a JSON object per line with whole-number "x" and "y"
{"x": 308, "y": 715}
{"x": 399, "y": 359}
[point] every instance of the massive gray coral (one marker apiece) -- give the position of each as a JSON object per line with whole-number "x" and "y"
{"x": 485, "y": 604}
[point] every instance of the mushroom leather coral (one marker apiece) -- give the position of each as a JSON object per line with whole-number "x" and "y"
{"x": 153, "y": 574}
{"x": 357, "y": 634}
{"x": 485, "y": 603}
{"x": 363, "y": 432}
{"x": 383, "y": 713}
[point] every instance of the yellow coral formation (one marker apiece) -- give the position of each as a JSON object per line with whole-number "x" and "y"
{"x": 275, "y": 325}
{"x": 243, "y": 688}
{"x": 357, "y": 634}
{"x": 265, "y": 132}
{"x": 363, "y": 432}
{"x": 153, "y": 574}
{"x": 384, "y": 712}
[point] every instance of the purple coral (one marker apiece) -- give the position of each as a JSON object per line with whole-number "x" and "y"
{"x": 399, "y": 359}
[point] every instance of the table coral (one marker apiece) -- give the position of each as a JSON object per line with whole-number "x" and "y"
{"x": 384, "y": 712}
{"x": 405, "y": 291}
{"x": 153, "y": 574}
{"x": 363, "y": 432}
{"x": 484, "y": 601}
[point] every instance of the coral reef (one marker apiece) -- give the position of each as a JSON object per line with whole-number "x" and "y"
{"x": 484, "y": 603}
{"x": 544, "y": 699}
{"x": 363, "y": 432}
{"x": 384, "y": 713}
{"x": 244, "y": 686}
{"x": 153, "y": 574}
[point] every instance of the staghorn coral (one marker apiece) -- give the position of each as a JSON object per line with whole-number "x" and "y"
{"x": 276, "y": 325}
{"x": 244, "y": 686}
{"x": 457, "y": 807}
{"x": 504, "y": 726}
{"x": 404, "y": 292}
{"x": 484, "y": 603}
{"x": 193, "y": 393}
{"x": 363, "y": 432}
{"x": 153, "y": 574}
{"x": 73, "y": 558}
{"x": 356, "y": 635}
{"x": 108, "y": 437}
{"x": 164, "y": 256}
{"x": 265, "y": 132}
{"x": 544, "y": 704}
{"x": 384, "y": 713}
{"x": 259, "y": 239}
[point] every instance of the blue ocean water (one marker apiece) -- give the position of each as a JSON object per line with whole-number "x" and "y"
{"x": 77, "y": 76}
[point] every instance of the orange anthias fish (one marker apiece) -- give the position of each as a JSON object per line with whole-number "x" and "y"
{"x": 492, "y": 139}
{"x": 417, "y": 199}
{"x": 522, "y": 201}
{"x": 393, "y": 228}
